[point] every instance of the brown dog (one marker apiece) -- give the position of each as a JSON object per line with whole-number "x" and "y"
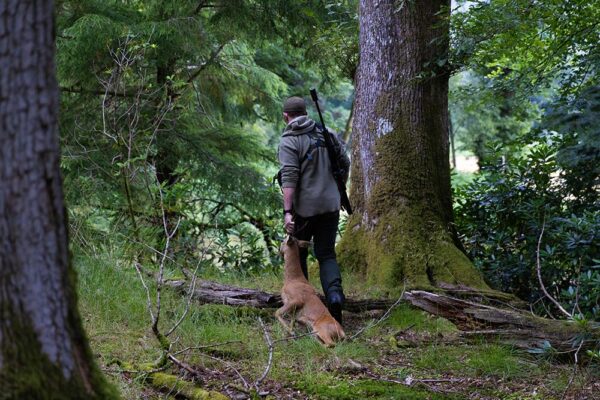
{"x": 300, "y": 297}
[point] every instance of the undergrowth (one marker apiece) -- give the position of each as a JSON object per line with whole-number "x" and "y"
{"x": 113, "y": 304}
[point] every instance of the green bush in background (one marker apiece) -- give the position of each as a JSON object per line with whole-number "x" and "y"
{"x": 551, "y": 180}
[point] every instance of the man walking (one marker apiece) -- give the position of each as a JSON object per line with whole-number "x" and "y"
{"x": 311, "y": 200}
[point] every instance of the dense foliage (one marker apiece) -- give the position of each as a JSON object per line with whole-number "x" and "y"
{"x": 173, "y": 107}
{"x": 549, "y": 182}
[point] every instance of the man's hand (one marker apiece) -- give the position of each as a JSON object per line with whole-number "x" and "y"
{"x": 288, "y": 224}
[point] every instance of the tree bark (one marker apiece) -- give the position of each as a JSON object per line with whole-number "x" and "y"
{"x": 400, "y": 188}
{"x": 517, "y": 327}
{"x": 43, "y": 350}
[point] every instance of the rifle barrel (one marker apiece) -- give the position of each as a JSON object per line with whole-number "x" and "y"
{"x": 345, "y": 202}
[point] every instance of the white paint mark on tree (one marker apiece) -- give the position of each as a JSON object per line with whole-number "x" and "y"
{"x": 384, "y": 127}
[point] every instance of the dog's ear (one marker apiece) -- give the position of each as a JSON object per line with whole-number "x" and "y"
{"x": 304, "y": 244}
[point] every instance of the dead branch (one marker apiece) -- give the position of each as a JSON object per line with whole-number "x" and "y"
{"x": 515, "y": 326}
{"x": 539, "y": 275}
{"x": 383, "y": 317}
{"x": 575, "y": 366}
{"x": 230, "y": 366}
{"x": 270, "y": 359}
{"x": 148, "y": 300}
{"x": 510, "y": 324}
{"x": 191, "y": 290}
{"x": 161, "y": 267}
{"x": 195, "y": 373}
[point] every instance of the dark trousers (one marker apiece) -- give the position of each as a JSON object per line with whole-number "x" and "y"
{"x": 322, "y": 229}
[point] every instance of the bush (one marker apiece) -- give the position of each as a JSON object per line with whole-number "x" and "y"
{"x": 550, "y": 182}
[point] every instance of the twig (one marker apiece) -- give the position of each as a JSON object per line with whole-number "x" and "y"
{"x": 270, "y": 360}
{"x": 574, "y": 370}
{"x": 191, "y": 292}
{"x": 148, "y": 300}
{"x": 383, "y": 317}
{"x": 208, "y": 346}
{"x": 539, "y": 275}
{"x": 211, "y": 59}
{"x": 185, "y": 366}
{"x": 161, "y": 268}
{"x": 229, "y": 365}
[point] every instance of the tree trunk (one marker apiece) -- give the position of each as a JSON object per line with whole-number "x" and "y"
{"x": 400, "y": 188}
{"x": 43, "y": 349}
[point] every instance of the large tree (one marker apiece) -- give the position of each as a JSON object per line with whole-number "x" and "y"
{"x": 43, "y": 350}
{"x": 402, "y": 227}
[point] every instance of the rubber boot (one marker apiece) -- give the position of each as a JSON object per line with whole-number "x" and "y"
{"x": 335, "y": 303}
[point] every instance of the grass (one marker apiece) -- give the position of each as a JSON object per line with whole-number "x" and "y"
{"x": 481, "y": 360}
{"x": 113, "y": 306}
{"x": 404, "y": 316}
{"x": 325, "y": 386}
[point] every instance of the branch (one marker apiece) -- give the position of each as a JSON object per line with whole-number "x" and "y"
{"x": 148, "y": 300}
{"x": 383, "y": 317}
{"x": 270, "y": 359}
{"x": 258, "y": 223}
{"x": 210, "y": 60}
{"x": 129, "y": 94}
{"x": 574, "y": 370}
{"x": 185, "y": 366}
{"x": 191, "y": 289}
{"x": 161, "y": 268}
{"x": 539, "y": 274}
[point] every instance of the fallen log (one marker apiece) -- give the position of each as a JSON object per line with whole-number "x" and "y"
{"x": 507, "y": 324}
{"x": 209, "y": 292}
{"x": 514, "y": 326}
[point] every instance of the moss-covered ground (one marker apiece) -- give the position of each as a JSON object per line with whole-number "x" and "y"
{"x": 411, "y": 355}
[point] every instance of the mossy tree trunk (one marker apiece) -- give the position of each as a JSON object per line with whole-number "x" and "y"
{"x": 43, "y": 350}
{"x": 400, "y": 188}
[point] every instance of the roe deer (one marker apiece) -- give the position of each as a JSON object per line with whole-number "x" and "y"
{"x": 300, "y": 297}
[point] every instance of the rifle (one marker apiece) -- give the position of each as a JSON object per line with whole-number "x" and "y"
{"x": 335, "y": 168}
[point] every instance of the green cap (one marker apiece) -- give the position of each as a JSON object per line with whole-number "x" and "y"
{"x": 294, "y": 105}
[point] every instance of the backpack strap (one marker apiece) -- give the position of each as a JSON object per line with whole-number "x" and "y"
{"x": 315, "y": 143}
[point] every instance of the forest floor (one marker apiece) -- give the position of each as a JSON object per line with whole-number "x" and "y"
{"x": 409, "y": 355}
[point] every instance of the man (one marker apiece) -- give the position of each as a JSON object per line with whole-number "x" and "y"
{"x": 311, "y": 200}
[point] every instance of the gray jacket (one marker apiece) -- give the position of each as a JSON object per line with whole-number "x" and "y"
{"x": 308, "y": 169}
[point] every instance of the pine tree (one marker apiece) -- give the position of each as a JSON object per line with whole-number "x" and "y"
{"x": 43, "y": 350}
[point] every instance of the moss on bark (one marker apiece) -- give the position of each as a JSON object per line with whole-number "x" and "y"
{"x": 176, "y": 385}
{"x": 405, "y": 247}
{"x": 31, "y": 375}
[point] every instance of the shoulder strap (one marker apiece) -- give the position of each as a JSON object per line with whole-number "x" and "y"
{"x": 315, "y": 142}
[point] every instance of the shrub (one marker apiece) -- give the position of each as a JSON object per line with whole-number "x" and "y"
{"x": 550, "y": 182}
